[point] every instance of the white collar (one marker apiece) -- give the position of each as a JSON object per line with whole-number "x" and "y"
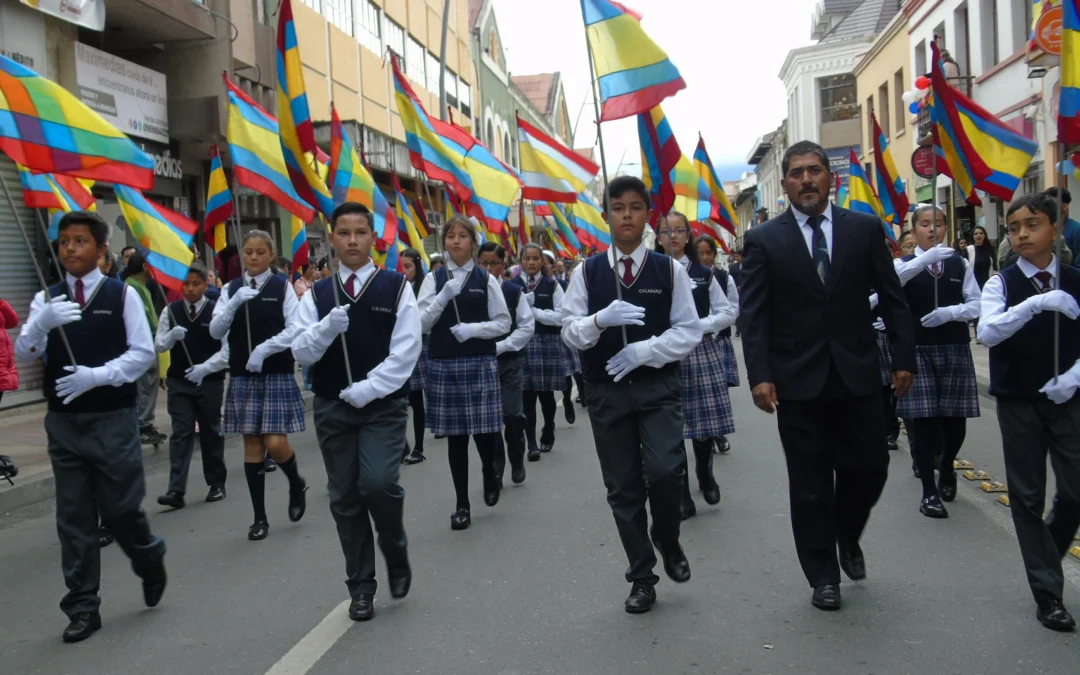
{"x": 89, "y": 280}
{"x": 684, "y": 261}
{"x": 1030, "y": 270}
{"x": 362, "y": 272}
{"x": 638, "y": 255}
{"x": 452, "y": 267}
{"x": 260, "y": 279}
{"x": 199, "y": 304}
{"x": 801, "y": 217}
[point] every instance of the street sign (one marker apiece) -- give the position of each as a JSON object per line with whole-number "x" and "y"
{"x": 922, "y": 161}
{"x": 1048, "y": 30}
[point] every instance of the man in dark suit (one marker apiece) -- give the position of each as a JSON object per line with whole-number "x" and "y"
{"x": 812, "y": 358}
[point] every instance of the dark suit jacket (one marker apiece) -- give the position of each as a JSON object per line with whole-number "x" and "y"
{"x": 736, "y": 273}
{"x": 794, "y": 324}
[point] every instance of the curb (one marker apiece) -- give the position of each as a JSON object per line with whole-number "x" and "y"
{"x": 42, "y": 487}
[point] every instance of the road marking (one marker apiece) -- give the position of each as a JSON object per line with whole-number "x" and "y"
{"x": 313, "y": 646}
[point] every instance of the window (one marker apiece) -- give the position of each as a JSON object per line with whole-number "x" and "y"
{"x": 838, "y": 98}
{"x": 869, "y": 111}
{"x": 898, "y": 100}
{"x": 314, "y": 4}
{"x": 368, "y": 32}
{"x": 465, "y": 98}
{"x": 451, "y": 83}
{"x": 506, "y": 148}
{"x": 989, "y": 33}
{"x": 882, "y": 109}
{"x": 493, "y": 47}
{"x": 489, "y": 138}
{"x": 395, "y": 37}
{"x": 432, "y": 74}
{"x": 1022, "y": 29}
{"x": 339, "y": 13}
{"x": 414, "y": 62}
{"x": 920, "y": 59}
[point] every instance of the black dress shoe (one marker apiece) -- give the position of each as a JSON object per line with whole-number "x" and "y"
{"x": 172, "y": 499}
{"x": 687, "y": 510}
{"x": 460, "y": 519}
{"x": 568, "y": 409}
{"x": 547, "y": 439}
{"x": 641, "y": 599}
{"x": 82, "y": 626}
{"x": 826, "y": 597}
{"x": 947, "y": 485}
{"x": 491, "y": 493}
{"x": 153, "y": 582}
{"x": 534, "y": 455}
{"x": 216, "y": 494}
{"x": 104, "y": 537}
{"x": 892, "y": 444}
{"x": 362, "y": 607}
{"x": 1053, "y": 615}
{"x": 400, "y": 578}
{"x": 931, "y": 507}
{"x": 517, "y": 474}
{"x": 414, "y": 457}
{"x": 258, "y": 530}
{"x": 269, "y": 465}
{"x": 676, "y": 566}
{"x": 709, "y": 489}
{"x": 852, "y": 562}
{"x": 723, "y": 445}
{"x": 915, "y": 470}
{"x": 297, "y": 503}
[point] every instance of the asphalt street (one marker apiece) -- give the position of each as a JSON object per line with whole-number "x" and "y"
{"x": 535, "y": 586}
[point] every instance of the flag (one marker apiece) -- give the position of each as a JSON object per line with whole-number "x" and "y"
{"x": 255, "y": 149}
{"x": 495, "y": 185}
{"x": 352, "y": 182}
{"x": 47, "y": 129}
{"x": 1069, "y": 98}
{"x": 70, "y": 194}
{"x": 37, "y": 193}
{"x": 524, "y": 229}
{"x": 219, "y": 203}
{"x": 692, "y": 196}
{"x": 427, "y": 151}
{"x": 164, "y": 236}
{"x": 863, "y": 198}
{"x": 587, "y": 217}
{"x": 452, "y": 206}
{"x": 563, "y": 228}
{"x": 839, "y": 192}
{"x": 632, "y": 72}
{"x": 725, "y": 214}
{"x": 894, "y": 200}
{"x": 659, "y": 154}
{"x": 551, "y": 172}
{"x": 422, "y": 226}
{"x": 407, "y": 217}
{"x": 298, "y": 237}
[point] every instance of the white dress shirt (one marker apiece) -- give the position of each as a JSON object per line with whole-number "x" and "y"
{"x": 674, "y": 344}
{"x": 999, "y": 322}
{"x": 526, "y": 328}
{"x": 313, "y": 339}
{"x": 431, "y": 307}
{"x": 220, "y": 359}
{"x": 129, "y": 366}
{"x": 722, "y": 314}
{"x": 968, "y": 310}
{"x": 548, "y": 317}
{"x": 222, "y": 320}
{"x": 808, "y": 232}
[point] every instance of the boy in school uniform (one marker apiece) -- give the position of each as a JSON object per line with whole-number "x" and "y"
{"x": 195, "y": 383}
{"x": 91, "y": 424}
{"x": 634, "y": 389}
{"x": 570, "y": 357}
{"x": 1037, "y": 407}
{"x": 944, "y": 393}
{"x": 375, "y": 331}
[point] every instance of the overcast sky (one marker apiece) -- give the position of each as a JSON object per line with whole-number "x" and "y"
{"x": 728, "y": 51}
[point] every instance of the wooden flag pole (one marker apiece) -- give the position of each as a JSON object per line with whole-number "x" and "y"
{"x": 1059, "y": 237}
{"x": 933, "y": 203}
{"x": 337, "y": 299}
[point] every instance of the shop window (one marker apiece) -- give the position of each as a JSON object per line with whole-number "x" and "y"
{"x": 837, "y": 96}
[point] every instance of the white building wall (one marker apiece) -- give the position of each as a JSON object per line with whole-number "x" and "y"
{"x": 800, "y": 73}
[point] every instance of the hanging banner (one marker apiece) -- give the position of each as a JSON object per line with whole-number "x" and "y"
{"x": 86, "y": 13}
{"x": 22, "y": 35}
{"x": 131, "y": 97}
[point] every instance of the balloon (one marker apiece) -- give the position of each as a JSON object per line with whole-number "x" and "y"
{"x": 1075, "y": 158}
{"x": 922, "y": 93}
{"x": 922, "y": 82}
{"x": 914, "y": 107}
{"x": 909, "y": 97}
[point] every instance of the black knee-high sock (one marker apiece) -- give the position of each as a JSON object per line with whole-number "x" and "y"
{"x": 528, "y": 401}
{"x": 568, "y": 388}
{"x": 256, "y": 481}
{"x": 458, "y": 453}
{"x": 547, "y": 406}
{"x": 416, "y": 401}
{"x": 486, "y": 445}
{"x": 579, "y": 379}
{"x": 292, "y": 472}
{"x": 703, "y": 460}
{"x": 953, "y": 433}
{"x": 927, "y": 444}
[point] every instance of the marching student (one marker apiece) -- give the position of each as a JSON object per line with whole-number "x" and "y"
{"x": 463, "y": 310}
{"x": 1037, "y": 407}
{"x": 374, "y": 336}
{"x": 706, "y": 404}
{"x": 944, "y": 393}
{"x": 257, "y": 313}
{"x": 414, "y": 274}
{"x": 509, "y": 352}
{"x": 91, "y": 425}
{"x": 634, "y": 389}
{"x": 707, "y": 252}
{"x": 545, "y": 366}
{"x": 195, "y": 388}
{"x": 571, "y": 358}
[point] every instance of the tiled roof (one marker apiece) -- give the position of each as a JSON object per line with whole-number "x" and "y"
{"x": 587, "y": 153}
{"x": 475, "y": 7}
{"x": 539, "y": 89}
{"x": 866, "y": 20}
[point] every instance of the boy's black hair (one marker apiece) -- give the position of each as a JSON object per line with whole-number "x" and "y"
{"x": 1038, "y": 202}
{"x": 803, "y": 148}
{"x": 493, "y": 247}
{"x": 351, "y": 209}
{"x": 99, "y": 230}
{"x": 198, "y": 268}
{"x": 1052, "y": 191}
{"x": 126, "y": 249}
{"x": 136, "y": 264}
{"x": 623, "y": 184}
{"x": 283, "y": 262}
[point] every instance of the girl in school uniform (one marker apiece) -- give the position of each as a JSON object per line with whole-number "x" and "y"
{"x": 707, "y": 252}
{"x": 706, "y": 404}
{"x": 414, "y": 273}
{"x": 256, "y": 313}
{"x": 463, "y": 311}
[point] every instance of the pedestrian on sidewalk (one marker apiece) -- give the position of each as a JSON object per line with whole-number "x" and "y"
{"x": 943, "y": 296}
{"x": 414, "y": 274}
{"x": 811, "y": 358}
{"x": 374, "y": 335}
{"x": 463, "y": 310}
{"x": 631, "y": 350}
{"x": 137, "y": 276}
{"x": 1037, "y": 407}
{"x": 195, "y": 385}
{"x": 91, "y": 424}
{"x": 9, "y": 376}
{"x": 707, "y": 252}
{"x": 263, "y": 402}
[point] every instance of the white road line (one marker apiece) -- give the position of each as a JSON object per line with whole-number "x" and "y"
{"x": 313, "y": 646}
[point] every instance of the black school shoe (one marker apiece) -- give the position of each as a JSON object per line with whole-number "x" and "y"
{"x": 641, "y": 599}
{"x": 1053, "y": 615}
{"x": 172, "y": 499}
{"x": 82, "y": 626}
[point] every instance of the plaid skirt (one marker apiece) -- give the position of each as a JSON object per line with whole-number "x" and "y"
{"x": 706, "y": 403}
{"x": 731, "y": 364}
{"x": 544, "y": 365}
{"x": 884, "y": 358}
{"x": 417, "y": 381}
{"x": 264, "y": 404}
{"x": 944, "y": 384}
{"x": 571, "y": 358}
{"x": 463, "y": 396}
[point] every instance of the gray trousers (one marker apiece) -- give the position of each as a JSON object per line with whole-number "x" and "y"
{"x": 637, "y": 428}
{"x": 189, "y": 404}
{"x": 97, "y": 464}
{"x": 1029, "y": 431}
{"x": 362, "y": 453}
{"x": 511, "y": 379}
{"x": 146, "y": 394}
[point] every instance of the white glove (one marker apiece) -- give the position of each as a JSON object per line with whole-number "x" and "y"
{"x": 1054, "y": 301}
{"x": 451, "y": 289}
{"x": 500, "y": 347}
{"x": 622, "y": 363}
{"x": 938, "y": 317}
{"x": 173, "y": 336}
{"x": 462, "y": 331}
{"x": 75, "y": 385}
{"x": 243, "y": 294}
{"x": 357, "y": 395}
{"x": 337, "y": 320}
{"x": 255, "y": 361}
{"x": 57, "y": 312}
{"x": 530, "y": 298}
{"x": 879, "y": 325}
{"x": 703, "y": 324}
{"x": 936, "y": 255}
{"x": 196, "y": 374}
{"x": 620, "y": 313}
{"x": 874, "y": 300}
{"x": 1063, "y": 389}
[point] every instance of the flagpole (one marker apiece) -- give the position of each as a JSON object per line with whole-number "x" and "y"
{"x": 45, "y": 231}
{"x": 240, "y": 257}
{"x": 603, "y": 166}
{"x": 172, "y": 316}
{"x": 431, "y": 209}
{"x": 933, "y": 228}
{"x": 337, "y": 299}
{"x": 37, "y": 267}
{"x": 1059, "y": 237}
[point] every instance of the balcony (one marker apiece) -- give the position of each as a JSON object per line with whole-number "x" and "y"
{"x": 134, "y": 24}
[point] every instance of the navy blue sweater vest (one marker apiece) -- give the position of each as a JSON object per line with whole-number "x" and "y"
{"x": 99, "y": 337}
{"x": 651, "y": 290}
{"x": 722, "y": 279}
{"x": 267, "y": 311}
{"x": 545, "y": 299}
{"x": 472, "y": 306}
{"x": 198, "y": 341}
{"x": 372, "y": 317}
{"x": 1024, "y": 363}
{"x": 920, "y": 297}
{"x": 700, "y": 278}
{"x": 512, "y": 295}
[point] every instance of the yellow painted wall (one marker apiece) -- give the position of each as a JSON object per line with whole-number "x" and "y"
{"x": 318, "y": 94}
{"x": 375, "y": 116}
{"x": 343, "y": 66}
{"x": 347, "y": 103}
{"x": 451, "y": 53}
{"x": 373, "y": 78}
{"x": 418, "y": 19}
{"x": 311, "y": 36}
{"x": 398, "y": 10}
{"x": 434, "y": 31}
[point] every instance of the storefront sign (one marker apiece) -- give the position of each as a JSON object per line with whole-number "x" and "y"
{"x": 168, "y": 170}
{"x": 22, "y": 35}
{"x": 922, "y": 161}
{"x": 87, "y": 13}
{"x": 840, "y": 161}
{"x": 1048, "y": 30}
{"x": 129, "y": 96}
